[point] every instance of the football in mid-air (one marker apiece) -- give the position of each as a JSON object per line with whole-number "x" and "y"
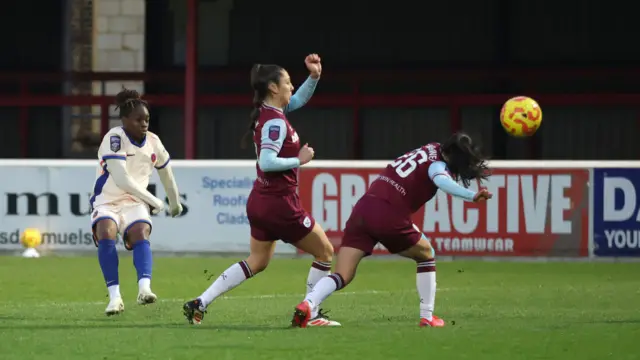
{"x": 31, "y": 238}
{"x": 521, "y": 116}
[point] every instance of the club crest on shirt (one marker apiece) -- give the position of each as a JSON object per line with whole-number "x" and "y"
{"x": 115, "y": 142}
{"x": 274, "y": 132}
{"x": 153, "y": 157}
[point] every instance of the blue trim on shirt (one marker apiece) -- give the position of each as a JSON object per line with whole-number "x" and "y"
{"x": 133, "y": 141}
{"x": 164, "y": 165}
{"x": 114, "y": 157}
{"x": 99, "y": 185}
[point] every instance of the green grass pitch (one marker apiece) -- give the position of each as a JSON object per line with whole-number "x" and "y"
{"x": 52, "y": 308}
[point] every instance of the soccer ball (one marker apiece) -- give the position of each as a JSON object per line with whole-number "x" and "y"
{"x": 521, "y": 116}
{"x": 31, "y": 238}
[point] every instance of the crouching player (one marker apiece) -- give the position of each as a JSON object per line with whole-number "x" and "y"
{"x": 120, "y": 201}
{"x": 383, "y": 215}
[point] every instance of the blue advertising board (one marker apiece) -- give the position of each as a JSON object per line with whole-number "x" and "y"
{"x": 616, "y": 215}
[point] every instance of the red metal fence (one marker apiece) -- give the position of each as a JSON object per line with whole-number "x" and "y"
{"x": 354, "y": 99}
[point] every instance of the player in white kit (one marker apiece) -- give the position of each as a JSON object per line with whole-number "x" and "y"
{"x": 120, "y": 201}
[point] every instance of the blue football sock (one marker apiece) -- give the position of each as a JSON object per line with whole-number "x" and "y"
{"x": 142, "y": 259}
{"x": 108, "y": 258}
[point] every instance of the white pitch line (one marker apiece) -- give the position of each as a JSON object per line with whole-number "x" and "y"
{"x": 239, "y": 297}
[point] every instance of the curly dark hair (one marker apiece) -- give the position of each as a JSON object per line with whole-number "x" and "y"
{"x": 127, "y": 100}
{"x": 465, "y": 159}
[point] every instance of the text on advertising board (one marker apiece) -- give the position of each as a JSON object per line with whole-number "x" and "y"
{"x": 50, "y": 204}
{"x": 536, "y": 212}
{"x": 616, "y": 213}
{"x": 230, "y": 197}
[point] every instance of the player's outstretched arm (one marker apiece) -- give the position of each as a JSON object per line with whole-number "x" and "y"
{"x": 121, "y": 177}
{"x": 441, "y": 178}
{"x": 303, "y": 95}
{"x": 306, "y": 90}
{"x": 171, "y": 188}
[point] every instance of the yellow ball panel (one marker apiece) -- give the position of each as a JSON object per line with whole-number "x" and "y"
{"x": 31, "y": 238}
{"x": 521, "y": 116}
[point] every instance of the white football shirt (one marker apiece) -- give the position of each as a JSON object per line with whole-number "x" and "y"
{"x": 140, "y": 159}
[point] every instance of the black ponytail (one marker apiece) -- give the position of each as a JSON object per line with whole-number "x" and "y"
{"x": 464, "y": 159}
{"x": 261, "y": 77}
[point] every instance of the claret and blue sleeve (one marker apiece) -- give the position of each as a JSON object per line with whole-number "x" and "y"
{"x": 303, "y": 95}
{"x": 439, "y": 175}
{"x": 273, "y": 134}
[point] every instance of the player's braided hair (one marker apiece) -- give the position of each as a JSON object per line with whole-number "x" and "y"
{"x": 261, "y": 77}
{"x": 465, "y": 159}
{"x": 127, "y": 100}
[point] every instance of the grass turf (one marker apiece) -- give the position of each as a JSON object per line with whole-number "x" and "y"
{"x": 52, "y": 308}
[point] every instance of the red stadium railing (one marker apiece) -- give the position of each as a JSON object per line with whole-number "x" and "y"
{"x": 354, "y": 99}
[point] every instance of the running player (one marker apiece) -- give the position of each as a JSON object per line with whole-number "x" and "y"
{"x": 273, "y": 207}
{"x": 383, "y": 215}
{"x": 120, "y": 201}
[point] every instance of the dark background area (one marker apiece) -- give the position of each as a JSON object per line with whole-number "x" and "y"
{"x": 462, "y": 44}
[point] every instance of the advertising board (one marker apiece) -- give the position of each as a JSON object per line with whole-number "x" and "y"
{"x": 534, "y": 212}
{"x": 53, "y": 196}
{"x": 616, "y": 216}
{"x": 540, "y": 209}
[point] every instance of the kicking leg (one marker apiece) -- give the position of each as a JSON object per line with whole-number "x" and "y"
{"x": 258, "y": 260}
{"x": 345, "y": 271}
{"x": 105, "y": 232}
{"x": 317, "y": 244}
{"x": 424, "y": 255}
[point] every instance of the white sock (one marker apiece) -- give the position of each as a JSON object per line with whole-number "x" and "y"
{"x": 319, "y": 270}
{"x": 114, "y": 292}
{"x": 426, "y": 283}
{"x": 229, "y": 279}
{"x": 325, "y": 287}
{"x": 144, "y": 284}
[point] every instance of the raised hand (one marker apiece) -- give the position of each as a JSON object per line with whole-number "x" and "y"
{"x": 312, "y": 61}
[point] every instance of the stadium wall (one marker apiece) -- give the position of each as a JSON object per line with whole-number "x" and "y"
{"x": 541, "y": 209}
{"x": 119, "y": 43}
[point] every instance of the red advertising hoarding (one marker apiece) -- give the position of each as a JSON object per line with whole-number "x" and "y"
{"x": 534, "y": 212}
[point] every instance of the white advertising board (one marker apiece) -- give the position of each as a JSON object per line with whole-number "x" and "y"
{"x": 53, "y": 196}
